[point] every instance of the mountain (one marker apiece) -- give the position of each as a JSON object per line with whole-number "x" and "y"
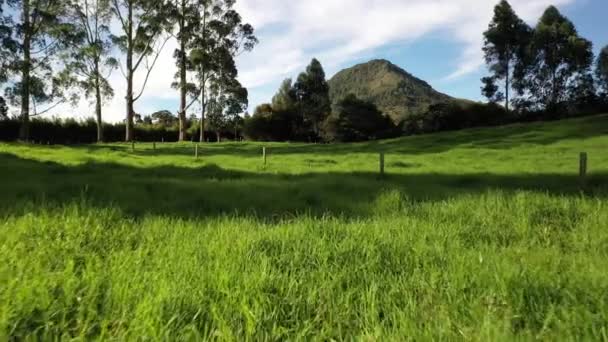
{"x": 393, "y": 90}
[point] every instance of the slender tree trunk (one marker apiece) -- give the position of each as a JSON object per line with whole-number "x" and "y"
{"x": 24, "y": 132}
{"x": 218, "y": 136}
{"x": 507, "y": 88}
{"x": 129, "y": 96}
{"x": 98, "y": 103}
{"x": 202, "y": 123}
{"x": 182, "y": 77}
{"x": 203, "y": 104}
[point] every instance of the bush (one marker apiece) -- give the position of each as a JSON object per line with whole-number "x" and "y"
{"x": 268, "y": 124}
{"x": 454, "y": 115}
{"x": 357, "y": 120}
{"x": 71, "y": 131}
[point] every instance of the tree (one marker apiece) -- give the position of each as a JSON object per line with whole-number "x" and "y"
{"x": 490, "y": 90}
{"x": 268, "y": 125}
{"x": 3, "y": 109}
{"x": 7, "y": 47}
{"x": 164, "y": 118}
{"x": 142, "y": 23}
{"x": 89, "y": 58}
{"x": 285, "y": 98}
{"x": 286, "y": 105}
{"x": 601, "y": 70}
{"x": 504, "y": 42}
{"x": 582, "y": 93}
{"x": 29, "y": 47}
{"x": 147, "y": 120}
{"x": 218, "y": 39}
{"x": 312, "y": 94}
{"x": 185, "y": 14}
{"x": 558, "y": 56}
{"x": 228, "y": 99}
{"x": 137, "y": 119}
{"x": 236, "y": 102}
{"x": 357, "y": 120}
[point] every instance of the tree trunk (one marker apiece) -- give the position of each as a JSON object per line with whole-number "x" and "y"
{"x": 129, "y": 96}
{"x": 202, "y": 136}
{"x": 202, "y": 124}
{"x": 218, "y": 136}
{"x": 98, "y": 103}
{"x": 129, "y": 100}
{"x": 24, "y": 132}
{"x": 182, "y": 78}
{"x": 507, "y": 88}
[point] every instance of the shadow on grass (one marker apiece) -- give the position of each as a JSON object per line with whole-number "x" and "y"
{"x": 211, "y": 190}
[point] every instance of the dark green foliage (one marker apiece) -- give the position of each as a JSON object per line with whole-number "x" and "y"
{"x": 267, "y": 124}
{"x": 601, "y": 71}
{"x": 454, "y": 115}
{"x": 28, "y": 54}
{"x": 557, "y": 58}
{"x": 163, "y": 118}
{"x": 8, "y": 46}
{"x": 88, "y": 61}
{"x": 356, "y": 120}
{"x": 3, "y": 109}
{"x": 296, "y": 113}
{"x": 582, "y": 94}
{"x": 490, "y": 89}
{"x": 70, "y": 131}
{"x": 395, "y": 92}
{"x": 504, "y": 43}
{"x": 312, "y": 93}
{"x": 285, "y": 98}
{"x": 219, "y": 36}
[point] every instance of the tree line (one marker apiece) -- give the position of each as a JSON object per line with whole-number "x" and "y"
{"x": 52, "y": 51}
{"x": 541, "y": 73}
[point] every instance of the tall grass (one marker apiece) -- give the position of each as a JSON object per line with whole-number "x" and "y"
{"x": 476, "y": 235}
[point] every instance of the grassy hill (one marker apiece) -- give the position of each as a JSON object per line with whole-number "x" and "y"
{"x": 393, "y": 90}
{"x": 482, "y": 234}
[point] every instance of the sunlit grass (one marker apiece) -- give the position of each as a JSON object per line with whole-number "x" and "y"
{"x": 482, "y": 234}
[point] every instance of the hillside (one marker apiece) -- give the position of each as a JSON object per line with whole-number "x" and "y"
{"x": 481, "y": 234}
{"x": 393, "y": 90}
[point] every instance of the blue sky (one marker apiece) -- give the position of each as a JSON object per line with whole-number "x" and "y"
{"x": 436, "y": 40}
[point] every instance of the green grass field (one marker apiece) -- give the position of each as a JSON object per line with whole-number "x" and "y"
{"x": 483, "y": 234}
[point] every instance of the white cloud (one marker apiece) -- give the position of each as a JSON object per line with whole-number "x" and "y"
{"x": 336, "y": 32}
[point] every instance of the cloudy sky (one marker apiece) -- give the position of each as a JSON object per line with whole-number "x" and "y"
{"x": 436, "y": 40}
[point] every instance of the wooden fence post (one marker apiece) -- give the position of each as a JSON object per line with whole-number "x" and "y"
{"x": 264, "y": 155}
{"x": 196, "y": 151}
{"x": 582, "y": 168}
{"x": 381, "y": 163}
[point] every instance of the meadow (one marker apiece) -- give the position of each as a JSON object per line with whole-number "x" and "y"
{"x": 481, "y": 234}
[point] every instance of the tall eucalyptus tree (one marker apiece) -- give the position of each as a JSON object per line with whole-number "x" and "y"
{"x": 31, "y": 37}
{"x": 143, "y": 24}
{"x": 218, "y": 39}
{"x": 89, "y": 59}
